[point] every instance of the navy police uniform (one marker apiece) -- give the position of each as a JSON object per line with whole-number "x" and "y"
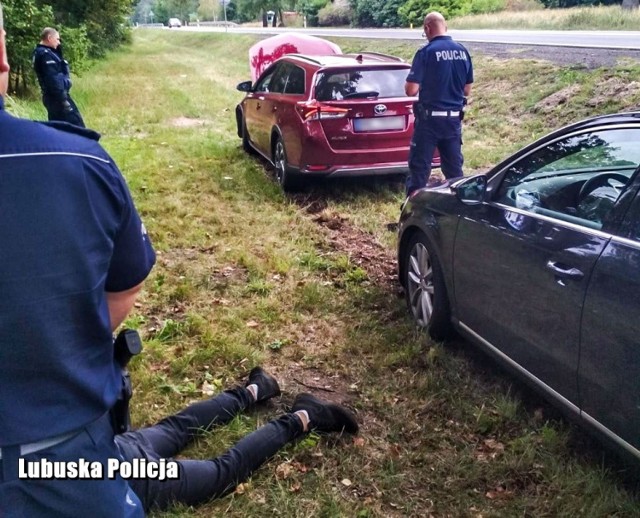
{"x": 52, "y": 71}
{"x": 69, "y": 233}
{"x": 442, "y": 68}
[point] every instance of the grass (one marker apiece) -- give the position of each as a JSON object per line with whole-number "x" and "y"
{"x": 577, "y": 18}
{"x": 245, "y": 276}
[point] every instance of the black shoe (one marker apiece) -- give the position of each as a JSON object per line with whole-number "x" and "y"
{"x": 267, "y": 385}
{"x": 325, "y": 417}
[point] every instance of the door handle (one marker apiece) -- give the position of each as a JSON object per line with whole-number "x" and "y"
{"x": 565, "y": 272}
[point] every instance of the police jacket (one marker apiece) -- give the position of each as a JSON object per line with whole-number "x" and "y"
{"x": 70, "y": 233}
{"x": 52, "y": 71}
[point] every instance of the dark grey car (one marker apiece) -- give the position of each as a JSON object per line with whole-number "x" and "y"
{"x": 538, "y": 262}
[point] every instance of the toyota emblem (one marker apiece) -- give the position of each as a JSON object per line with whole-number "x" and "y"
{"x": 379, "y": 109}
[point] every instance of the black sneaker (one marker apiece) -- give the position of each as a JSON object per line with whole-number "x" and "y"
{"x": 267, "y": 385}
{"x": 325, "y": 417}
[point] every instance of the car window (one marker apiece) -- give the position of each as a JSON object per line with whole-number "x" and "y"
{"x": 264, "y": 83}
{"x": 280, "y": 78}
{"x": 577, "y": 178}
{"x": 295, "y": 83}
{"x": 336, "y": 85}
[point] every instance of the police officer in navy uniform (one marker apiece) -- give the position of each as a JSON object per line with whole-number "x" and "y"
{"x": 52, "y": 71}
{"x": 74, "y": 254}
{"x": 441, "y": 75}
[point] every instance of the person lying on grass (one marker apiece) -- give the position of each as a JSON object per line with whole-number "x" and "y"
{"x": 199, "y": 481}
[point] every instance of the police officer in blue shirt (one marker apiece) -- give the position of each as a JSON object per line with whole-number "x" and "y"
{"x": 52, "y": 71}
{"x": 441, "y": 75}
{"x": 73, "y": 256}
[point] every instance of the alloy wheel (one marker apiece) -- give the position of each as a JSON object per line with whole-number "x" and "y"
{"x": 420, "y": 284}
{"x": 280, "y": 162}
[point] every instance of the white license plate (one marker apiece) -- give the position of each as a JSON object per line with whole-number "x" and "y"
{"x": 379, "y": 124}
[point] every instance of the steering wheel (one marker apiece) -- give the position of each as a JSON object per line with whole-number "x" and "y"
{"x": 599, "y": 181}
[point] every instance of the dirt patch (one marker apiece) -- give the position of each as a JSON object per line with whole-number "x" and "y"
{"x": 186, "y": 122}
{"x": 557, "y": 99}
{"x": 612, "y": 88}
{"x": 363, "y": 249}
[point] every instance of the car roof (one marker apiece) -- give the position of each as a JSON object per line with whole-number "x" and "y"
{"x": 348, "y": 60}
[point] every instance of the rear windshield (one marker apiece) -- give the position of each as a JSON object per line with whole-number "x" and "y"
{"x": 336, "y": 85}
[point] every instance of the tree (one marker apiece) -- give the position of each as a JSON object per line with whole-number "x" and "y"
{"x": 310, "y": 9}
{"x": 24, "y": 20}
{"x": 104, "y": 20}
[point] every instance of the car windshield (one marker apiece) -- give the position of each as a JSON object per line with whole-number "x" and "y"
{"x": 336, "y": 85}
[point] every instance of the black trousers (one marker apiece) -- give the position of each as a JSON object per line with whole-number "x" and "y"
{"x": 57, "y": 112}
{"x": 203, "y": 480}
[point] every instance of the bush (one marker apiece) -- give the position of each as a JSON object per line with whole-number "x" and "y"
{"x": 376, "y": 13}
{"x": 334, "y": 16}
{"x": 484, "y": 6}
{"x": 414, "y": 11}
{"x": 76, "y": 47}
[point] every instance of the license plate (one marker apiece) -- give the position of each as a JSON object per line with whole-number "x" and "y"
{"x": 379, "y": 124}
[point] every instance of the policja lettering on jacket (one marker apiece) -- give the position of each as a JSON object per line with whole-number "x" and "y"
{"x": 451, "y": 55}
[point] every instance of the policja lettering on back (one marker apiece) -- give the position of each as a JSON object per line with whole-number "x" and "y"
{"x": 451, "y": 55}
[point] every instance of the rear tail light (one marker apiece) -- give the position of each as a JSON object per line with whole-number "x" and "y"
{"x": 313, "y": 110}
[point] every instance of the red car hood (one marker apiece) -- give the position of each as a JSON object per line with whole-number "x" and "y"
{"x": 265, "y": 52}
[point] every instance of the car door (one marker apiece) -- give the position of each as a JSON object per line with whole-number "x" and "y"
{"x": 609, "y": 372}
{"x": 258, "y": 109}
{"x": 287, "y": 119}
{"x": 522, "y": 261}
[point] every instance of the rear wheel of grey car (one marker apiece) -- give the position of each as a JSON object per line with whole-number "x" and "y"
{"x": 284, "y": 176}
{"x": 425, "y": 289}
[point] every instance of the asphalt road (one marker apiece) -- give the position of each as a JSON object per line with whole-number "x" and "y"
{"x": 622, "y": 40}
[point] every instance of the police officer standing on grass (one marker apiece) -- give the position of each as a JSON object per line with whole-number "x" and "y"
{"x": 441, "y": 75}
{"x": 53, "y": 75}
{"x": 73, "y": 256}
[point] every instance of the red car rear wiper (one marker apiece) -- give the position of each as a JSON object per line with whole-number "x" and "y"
{"x": 353, "y": 95}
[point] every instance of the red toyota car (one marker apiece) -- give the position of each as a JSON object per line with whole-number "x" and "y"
{"x": 333, "y": 115}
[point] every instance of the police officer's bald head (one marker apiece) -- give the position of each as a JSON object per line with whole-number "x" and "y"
{"x": 434, "y": 25}
{"x": 4, "y": 62}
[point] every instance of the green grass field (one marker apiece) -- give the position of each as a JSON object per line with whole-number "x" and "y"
{"x": 304, "y": 286}
{"x": 611, "y": 17}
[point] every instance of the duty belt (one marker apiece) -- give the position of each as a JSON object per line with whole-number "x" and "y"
{"x": 33, "y": 447}
{"x": 443, "y": 113}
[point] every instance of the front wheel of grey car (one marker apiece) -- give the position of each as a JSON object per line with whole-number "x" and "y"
{"x": 425, "y": 288}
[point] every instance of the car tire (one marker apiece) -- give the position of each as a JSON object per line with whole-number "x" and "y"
{"x": 425, "y": 288}
{"x": 244, "y": 135}
{"x": 283, "y": 174}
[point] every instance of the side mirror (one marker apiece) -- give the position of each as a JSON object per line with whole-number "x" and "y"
{"x": 472, "y": 190}
{"x": 245, "y": 86}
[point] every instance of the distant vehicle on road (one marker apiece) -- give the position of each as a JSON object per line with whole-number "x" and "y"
{"x": 174, "y": 22}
